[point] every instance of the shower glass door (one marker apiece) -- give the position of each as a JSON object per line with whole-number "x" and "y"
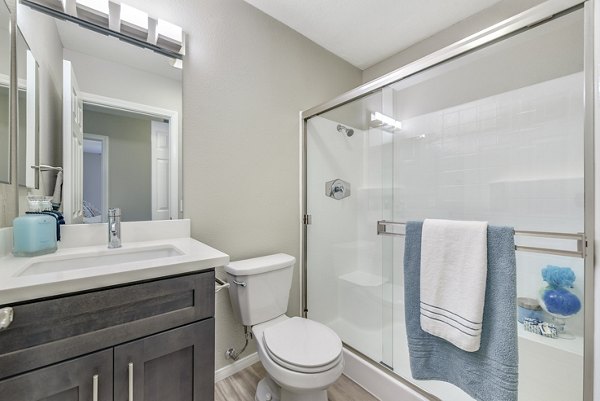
{"x": 494, "y": 135}
{"x": 497, "y": 135}
{"x": 349, "y": 182}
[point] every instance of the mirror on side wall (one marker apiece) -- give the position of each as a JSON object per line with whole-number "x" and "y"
{"x": 27, "y": 112}
{"x": 113, "y": 110}
{"x": 4, "y": 93}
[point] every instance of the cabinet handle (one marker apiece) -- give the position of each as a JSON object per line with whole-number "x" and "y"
{"x": 6, "y": 317}
{"x": 130, "y": 381}
{"x": 95, "y": 388}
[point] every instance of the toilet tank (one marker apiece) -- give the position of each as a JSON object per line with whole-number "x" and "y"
{"x": 260, "y": 287}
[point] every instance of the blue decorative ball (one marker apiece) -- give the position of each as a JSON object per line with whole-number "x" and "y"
{"x": 558, "y": 276}
{"x": 561, "y": 301}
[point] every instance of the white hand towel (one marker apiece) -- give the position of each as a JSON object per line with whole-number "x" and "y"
{"x": 453, "y": 278}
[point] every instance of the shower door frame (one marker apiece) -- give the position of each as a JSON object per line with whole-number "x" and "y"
{"x": 498, "y": 32}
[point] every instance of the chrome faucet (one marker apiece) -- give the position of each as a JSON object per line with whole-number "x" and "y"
{"x": 114, "y": 228}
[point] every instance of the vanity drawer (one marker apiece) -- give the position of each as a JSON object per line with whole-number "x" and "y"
{"x": 53, "y": 330}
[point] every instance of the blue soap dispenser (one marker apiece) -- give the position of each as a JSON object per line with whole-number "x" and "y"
{"x": 34, "y": 234}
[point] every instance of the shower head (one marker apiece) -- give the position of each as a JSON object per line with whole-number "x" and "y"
{"x": 345, "y": 130}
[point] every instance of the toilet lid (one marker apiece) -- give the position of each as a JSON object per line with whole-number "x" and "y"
{"x": 303, "y": 345}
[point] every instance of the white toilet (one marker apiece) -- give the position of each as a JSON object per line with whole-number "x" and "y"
{"x": 301, "y": 356}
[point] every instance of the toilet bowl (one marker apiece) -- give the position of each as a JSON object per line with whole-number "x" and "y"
{"x": 302, "y": 357}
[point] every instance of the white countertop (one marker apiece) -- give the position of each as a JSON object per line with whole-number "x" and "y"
{"x": 194, "y": 256}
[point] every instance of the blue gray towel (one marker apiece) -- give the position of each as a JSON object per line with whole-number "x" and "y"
{"x": 490, "y": 374}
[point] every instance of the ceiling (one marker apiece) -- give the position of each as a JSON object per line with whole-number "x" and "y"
{"x": 367, "y": 32}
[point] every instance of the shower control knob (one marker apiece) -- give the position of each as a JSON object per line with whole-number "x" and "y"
{"x": 337, "y": 189}
{"x": 6, "y": 317}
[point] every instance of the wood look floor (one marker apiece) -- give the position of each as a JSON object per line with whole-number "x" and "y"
{"x": 242, "y": 386}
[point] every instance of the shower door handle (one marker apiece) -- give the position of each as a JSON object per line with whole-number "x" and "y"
{"x": 382, "y": 228}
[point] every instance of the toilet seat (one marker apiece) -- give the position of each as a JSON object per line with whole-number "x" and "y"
{"x": 303, "y": 345}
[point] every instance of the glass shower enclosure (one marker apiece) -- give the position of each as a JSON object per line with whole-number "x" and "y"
{"x": 493, "y": 129}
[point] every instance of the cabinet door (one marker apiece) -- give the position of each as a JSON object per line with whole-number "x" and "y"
{"x": 89, "y": 378}
{"x": 177, "y": 365}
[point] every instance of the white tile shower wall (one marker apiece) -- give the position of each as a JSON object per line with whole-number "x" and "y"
{"x": 511, "y": 159}
{"x": 497, "y": 158}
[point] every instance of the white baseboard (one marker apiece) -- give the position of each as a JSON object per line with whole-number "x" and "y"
{"x": 235, "y": 367}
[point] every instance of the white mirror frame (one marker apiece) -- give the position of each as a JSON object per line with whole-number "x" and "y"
{"x": 172, "y": 116}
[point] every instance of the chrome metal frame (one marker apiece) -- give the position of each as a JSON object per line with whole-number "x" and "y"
{"x": 510, "y": 26}
{"x": 589, "y": 198}
{"x": 507, "y": 27}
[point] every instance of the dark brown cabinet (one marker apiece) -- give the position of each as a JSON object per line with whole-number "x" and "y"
{"x": 153, "y": 339}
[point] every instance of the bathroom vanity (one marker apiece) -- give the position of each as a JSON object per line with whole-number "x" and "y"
{"x": 143, "y": 339}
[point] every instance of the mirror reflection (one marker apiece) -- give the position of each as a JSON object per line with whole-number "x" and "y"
{"x": 27, "y": 112}
{"x": 4, "y": 93}
{"x": 118, "y": 109}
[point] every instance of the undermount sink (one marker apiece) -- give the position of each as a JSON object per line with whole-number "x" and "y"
{"x": 96, "y": 259}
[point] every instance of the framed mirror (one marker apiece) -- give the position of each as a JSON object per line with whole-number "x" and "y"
{"x": 5, "y": 56}
{"x": 113, "y": 110}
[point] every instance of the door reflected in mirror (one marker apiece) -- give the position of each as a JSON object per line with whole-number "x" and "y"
{"x": 119, "y": 144}
{"x": 119, "y": 111}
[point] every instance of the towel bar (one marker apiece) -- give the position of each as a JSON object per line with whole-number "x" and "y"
{"x": 222, "y": 284}
{"x": 579, "y": 237}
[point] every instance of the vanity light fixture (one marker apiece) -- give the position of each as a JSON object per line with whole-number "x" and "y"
{"x": 169, "y": 35}
{"x": 385, "y": 122}
{"x": 134, "y": 22}
{"x": 55, "y": 4}
{"x": 122, "y": 21}
{"x": 94, "y": 11}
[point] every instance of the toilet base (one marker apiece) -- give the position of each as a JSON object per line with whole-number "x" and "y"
{"x": 268, "y": 390}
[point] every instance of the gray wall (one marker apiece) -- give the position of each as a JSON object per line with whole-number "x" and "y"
{"x": 245, "y": 79}
{"x": 486, "y": 18}
{"x": 129, "y": 154}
